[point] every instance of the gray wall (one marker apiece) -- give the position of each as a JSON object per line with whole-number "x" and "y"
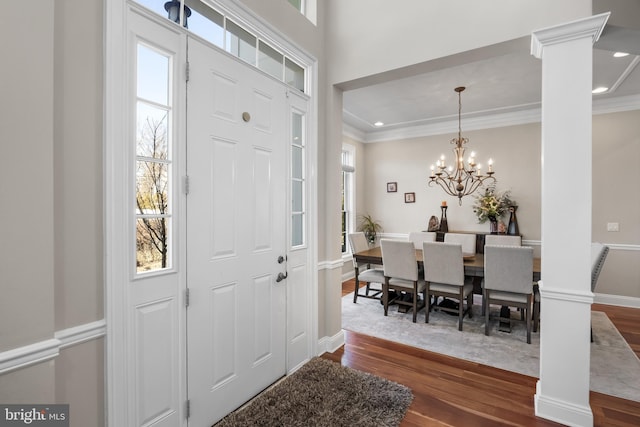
{"x": 51, "y": 192}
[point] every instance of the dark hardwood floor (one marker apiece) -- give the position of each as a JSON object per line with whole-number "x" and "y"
{"x": 454, "y": 392}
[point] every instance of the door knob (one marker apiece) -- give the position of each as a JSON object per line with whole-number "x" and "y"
{"x": 281, "y": 259}
{"x": 281, "y": 276}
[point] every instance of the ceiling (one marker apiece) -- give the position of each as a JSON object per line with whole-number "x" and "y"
{"x": 504, "y": 86}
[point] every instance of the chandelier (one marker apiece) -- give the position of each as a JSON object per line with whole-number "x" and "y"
{"x": 463, "y": 180}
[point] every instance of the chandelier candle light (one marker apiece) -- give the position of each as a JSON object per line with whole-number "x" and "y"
{"x": 461, "y": 181}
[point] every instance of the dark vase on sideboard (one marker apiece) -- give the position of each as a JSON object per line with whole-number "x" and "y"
{"x": 513, "y": 229}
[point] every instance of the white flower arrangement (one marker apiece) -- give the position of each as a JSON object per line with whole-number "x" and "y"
{"x": 492, "y": 204}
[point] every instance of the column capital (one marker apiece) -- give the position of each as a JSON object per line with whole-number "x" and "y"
{"x": 591, "y": 26}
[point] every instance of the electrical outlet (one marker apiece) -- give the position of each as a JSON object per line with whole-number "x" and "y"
{"x": 613, "y": 226}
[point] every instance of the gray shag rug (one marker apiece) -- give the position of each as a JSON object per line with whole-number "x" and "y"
{"x": 324, "y": 393}
{"x": 615, "y": 369}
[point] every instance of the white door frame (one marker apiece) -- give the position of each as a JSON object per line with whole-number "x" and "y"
{"x": 117, "y": 116}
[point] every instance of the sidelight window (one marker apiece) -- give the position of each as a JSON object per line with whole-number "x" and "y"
{"x": 298, "y": 202}
{"x": 153, "y": 144}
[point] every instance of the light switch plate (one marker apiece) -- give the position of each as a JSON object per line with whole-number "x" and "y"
{"x": 613, "y": 226}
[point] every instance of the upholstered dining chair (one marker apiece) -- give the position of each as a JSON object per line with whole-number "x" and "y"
{"x": 401, "y": 273}
{"x": 417, "y": 237}
{"x": 508, "y": 281}
{"x": 468, "y": 241}
{"x": 365, "y": 272}
{"x": 444, "y": 277}
{"x": 502, "y": 240}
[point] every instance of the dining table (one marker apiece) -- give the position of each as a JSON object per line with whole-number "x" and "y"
{"x": 473, "y": 263}
{"x": 473, "y": 267}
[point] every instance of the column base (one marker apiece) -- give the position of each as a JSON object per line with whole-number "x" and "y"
{"x": 560, "y": 411}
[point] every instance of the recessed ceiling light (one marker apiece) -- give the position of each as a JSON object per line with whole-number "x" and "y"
{"x": 620, "y": 54}
{"x": 600, "y": 89}
{"x": 378, "y": 124}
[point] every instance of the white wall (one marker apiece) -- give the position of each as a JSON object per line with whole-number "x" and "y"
{"x": 369, "y": 37}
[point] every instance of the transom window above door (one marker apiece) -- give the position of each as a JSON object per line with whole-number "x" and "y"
{"x": 217, "y": 28}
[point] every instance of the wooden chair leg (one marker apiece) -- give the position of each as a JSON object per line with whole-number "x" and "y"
{"x": 415, "y": 303}
{"x": 527, "y": 312}
{"x": 385, "y": 294}
{"x": 427, "y": 301}
{"x": 355, "y": 292}
{"x": 460, "y": 309}
{"x": 485, "y": 303}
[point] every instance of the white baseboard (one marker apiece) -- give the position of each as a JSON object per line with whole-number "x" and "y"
{"x": 22, "y": 357}
{"x": 348, "y": 276}
{"x": 330, "y": 344}
{"x": 619, "y": 300}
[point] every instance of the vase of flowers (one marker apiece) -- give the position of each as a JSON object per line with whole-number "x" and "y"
{"x": 491, "y": 205}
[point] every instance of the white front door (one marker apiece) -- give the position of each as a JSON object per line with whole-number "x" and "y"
{"x": 236, "y": 232}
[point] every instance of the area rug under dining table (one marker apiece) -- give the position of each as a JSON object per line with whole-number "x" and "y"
{"x": 615, "y": 369}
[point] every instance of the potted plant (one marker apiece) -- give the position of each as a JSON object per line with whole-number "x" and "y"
{"x": 370, "y": 227}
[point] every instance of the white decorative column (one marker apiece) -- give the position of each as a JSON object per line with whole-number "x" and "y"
{"x": 562, "y": 392}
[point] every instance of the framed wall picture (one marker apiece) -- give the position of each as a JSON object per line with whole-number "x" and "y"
{"x": 392, "y": 187}
{"x": 409, "y": 197}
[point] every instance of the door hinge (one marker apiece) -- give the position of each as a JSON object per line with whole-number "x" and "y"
{"x": 187, "y": 408}
{"x": 186, "y": 297}
{"x": 185, "y": 184}
{"x": 186, "y": 71}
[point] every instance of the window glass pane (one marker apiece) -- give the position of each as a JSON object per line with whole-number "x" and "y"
{"x": 297, "y": 234}
{"x": 166, "y": 9}
{"x": 152, "y": 188}
{"x": 206, "y": 22}
{"x": 152, "y": 244}
{"x": 153, "y": 75}
{"x": 343, "y": 243}
{"x": 347, "y": 195}
{"x": 154, "y": 5}
{"x": 297, "y": 145}
{"x": 296, "y": 128}
{"x": 296, "y": 161}
{"x": 296, "y": 196}
{"x": 270, "y": 60}
{"x": 293, "y": 74}
{"x": 241, "y": 43}
{"x": 151, "y": 131}
{"x": 297, "y": 4}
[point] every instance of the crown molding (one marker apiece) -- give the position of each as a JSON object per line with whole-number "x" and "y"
{"x": 531, "y": 115}
{"x": 616, "y": 105}
{"x": 353, "y": 133}
{"x": 582, "y": 28}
